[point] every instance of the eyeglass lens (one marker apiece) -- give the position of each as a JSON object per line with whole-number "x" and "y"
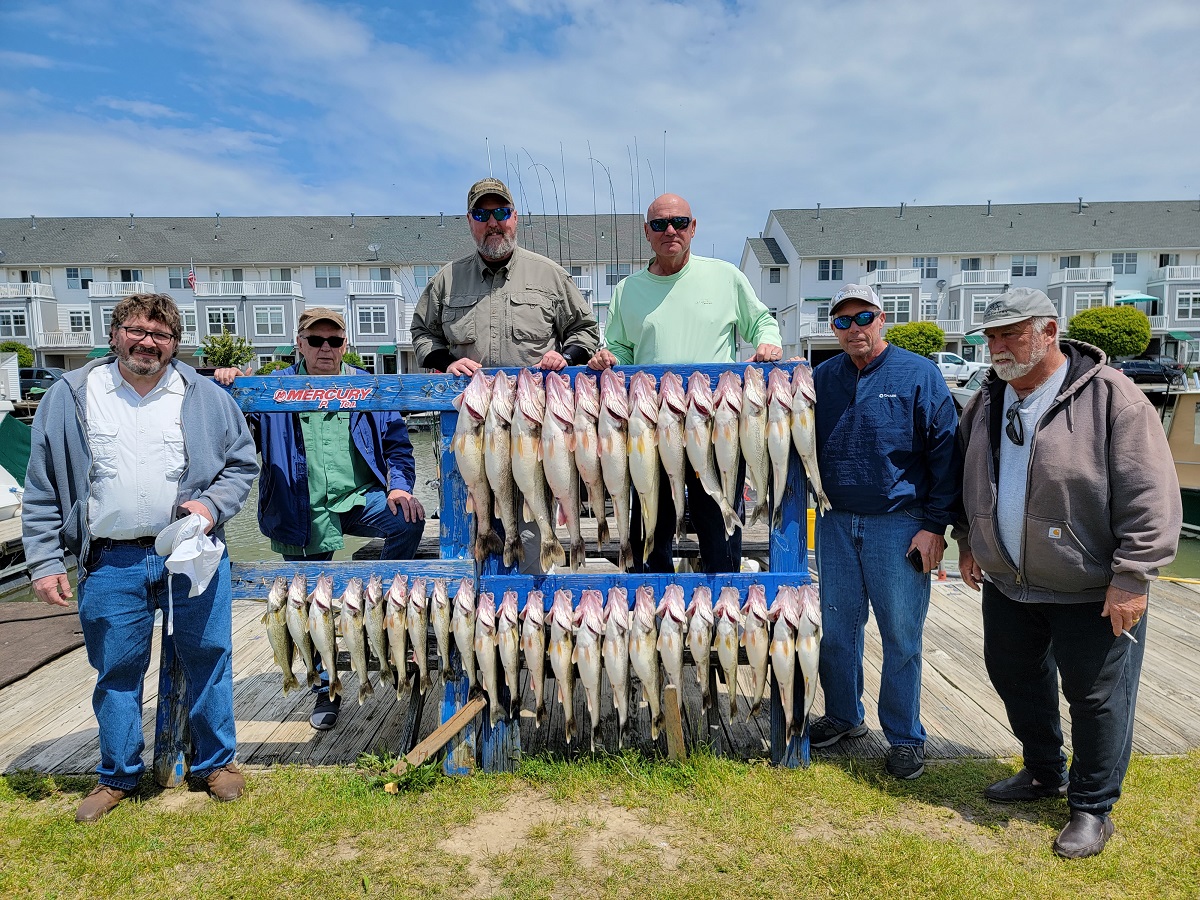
{"x": 677, "y": 222}
{"x": 862, "y": 320}
{"x": 500, "y": 213}
{"x": 139, "y": 334}
{"x": 315, "y": 340}
{"x": 1015, "y": 429}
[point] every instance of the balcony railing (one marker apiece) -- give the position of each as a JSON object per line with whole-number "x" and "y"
{"x": 1092, "y": 275}
{"x": 893, "y": 276}
{"x": 373, "y": 288}
{"x": 1158, "y": 323}
{"x": 980, "y": 276}
{"x": 1176, "y": 273}
{"x": 119, "y": 288}
{"x": 25, "y": 290}
{"x": 950, "y": 326}
{"x": 583, "y": 282}
{"x": 249, "y": 289}
{"x": 63, "y": 339}
{"x": 190, "y": 339}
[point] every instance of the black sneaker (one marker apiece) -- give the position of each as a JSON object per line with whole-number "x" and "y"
{"x": 906, "y": 761}
{"x": 827, "y": 731}
{"x": 325, "y": 712}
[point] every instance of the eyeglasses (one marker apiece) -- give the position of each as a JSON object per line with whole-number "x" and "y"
{"x": 315, "y": 340}
{"x": 500, "y": 213}
{"x": 679, "y": 223}
{"x": 139, "y": 334}
{"x": 1015, "y": 429}
{"x": 861, "y": 319}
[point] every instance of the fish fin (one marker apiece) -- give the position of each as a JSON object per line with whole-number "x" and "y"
{"x": 571, "y": 441}
{"x": 491, "y": 544}
{"x": 575, "y": 656}
{"x": 560, "y": 514}
{"x": 470, "y": 503}
{"x": 525, "y": 508}
{"x": 263, "y": 620}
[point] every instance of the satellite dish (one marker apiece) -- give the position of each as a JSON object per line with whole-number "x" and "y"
{"x": 374, "y": 248}
{"x": 941, "y": 283}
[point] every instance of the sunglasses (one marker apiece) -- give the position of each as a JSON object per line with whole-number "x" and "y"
{"x": 500, "y": 213}
{"x": 862, "y": 320}
{"x": 1015, "y": 429}
{"x": 316, "y": 341}
{"x": 677, "y": 222}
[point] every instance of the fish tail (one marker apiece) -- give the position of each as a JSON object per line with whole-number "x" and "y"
{"x": 335, "y": 688}
{"x": 364, "y": 691}
{"x": 569, "y": 726}
{"x": 625, "y": 559}
{"x": 513, "y": 550}
{"x": 539, "y": 714}
{"x": 491, "y": 543}
{"x": 602, "y": 533}
{"x": 648, "y": 547}
{"x": 578, "y": 553}
{"x": 552, "y": 553}
{"x": 289, "y": 682}
{"x": 777, "y": 517}
{"x": 425, "y": 681}
{"x": 732, "y": 522}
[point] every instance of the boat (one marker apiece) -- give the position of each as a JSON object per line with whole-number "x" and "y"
{"x": 1181, "y": 418}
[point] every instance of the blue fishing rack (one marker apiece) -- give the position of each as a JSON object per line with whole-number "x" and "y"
{"x": 494, "y": 748}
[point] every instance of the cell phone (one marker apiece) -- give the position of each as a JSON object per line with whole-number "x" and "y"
{"x": 915, "y": 560}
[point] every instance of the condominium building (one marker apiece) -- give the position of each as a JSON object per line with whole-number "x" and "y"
{"x": 944, "y": 263}
{"x": 253, "y": 276}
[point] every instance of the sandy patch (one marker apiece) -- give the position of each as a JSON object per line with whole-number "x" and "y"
{"x": 181, "y": 799}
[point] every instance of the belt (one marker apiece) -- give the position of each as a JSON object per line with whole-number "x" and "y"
{"x": 99, "y": 545}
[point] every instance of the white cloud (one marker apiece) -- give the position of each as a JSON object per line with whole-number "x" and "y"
{"x": 140, "y": 108}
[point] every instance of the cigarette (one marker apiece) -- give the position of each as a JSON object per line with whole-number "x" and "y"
{"x": 1125, "y": 631}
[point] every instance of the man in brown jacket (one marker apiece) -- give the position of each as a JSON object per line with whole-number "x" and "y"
{"x": 1071, "y": 506}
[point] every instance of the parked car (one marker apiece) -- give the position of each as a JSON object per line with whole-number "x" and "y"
{"x": 1173, "y": 367}
{"x": 1146, "y": 371}
{"x": 965, "y": 391}
{"x": 38, "y": 378}
{"x": 955, "y": 369}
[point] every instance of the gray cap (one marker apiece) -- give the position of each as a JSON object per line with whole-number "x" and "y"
{"x": 855, "y": 292}
{"x": 1014, "y": 306}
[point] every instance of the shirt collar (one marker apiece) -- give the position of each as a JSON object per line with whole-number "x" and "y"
{"x": 483, "y": 268}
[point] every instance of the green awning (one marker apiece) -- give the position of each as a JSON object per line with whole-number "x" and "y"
{"x": 975, "y": 339}
{"x": 98, "y": 352}
{"x": 1180, "y": 335}
{"x": 200, "y": 353}
{"x": 284, "y": 350}
{"x": 386, "y": 350}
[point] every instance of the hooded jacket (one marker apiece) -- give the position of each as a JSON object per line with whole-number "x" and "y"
{"x": 1102, "y": 504}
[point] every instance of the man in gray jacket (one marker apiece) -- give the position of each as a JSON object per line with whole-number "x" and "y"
{"x": 1071, "y": 507}
{"x": 119, "y": 449}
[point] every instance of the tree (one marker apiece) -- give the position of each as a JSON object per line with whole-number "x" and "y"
{"x": 921, "y": 338}
{"x": 225, "y": 349}
{"x": 351, "y": 358}
{"x": 1117, "y": 330}
{"x": 273, "y": 366}
{"x": 24, "y": 354}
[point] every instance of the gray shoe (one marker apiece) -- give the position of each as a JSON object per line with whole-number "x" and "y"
{"x": 906, "y": 761}
{"x": 1085, "y": 835}
{"x": 827, "y": 731}
{"x": 325, "y": 712}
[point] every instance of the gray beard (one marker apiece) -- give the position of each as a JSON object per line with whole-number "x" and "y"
{"x": 1014, "y": 370}
{"x": 496, "y": 246}
{"x": 140, "y": 365}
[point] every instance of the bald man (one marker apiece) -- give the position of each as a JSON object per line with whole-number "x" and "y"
{"x": 682, "y": 310}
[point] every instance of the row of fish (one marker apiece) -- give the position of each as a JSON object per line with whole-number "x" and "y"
{"x": 585, "y": 639}
{"x": 524, "y": 440}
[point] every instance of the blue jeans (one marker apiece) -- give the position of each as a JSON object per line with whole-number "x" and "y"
{"x": 861, "y": 561}
{"x": 400, "y": 537}
{"x": 118, "y": 596}
{"x": 1026, "y": 646}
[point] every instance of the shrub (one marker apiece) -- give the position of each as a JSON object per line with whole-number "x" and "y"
{"x": 225, "y": 349}
{"x": 921, "y": 338}
{"x": 273, "y": 366}
{"x": 352, "y": 359}
{"x": 24, "y": 354}
{"x": 1117, "y": 330}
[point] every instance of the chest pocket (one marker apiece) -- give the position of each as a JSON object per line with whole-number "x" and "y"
{"x": 174, "y": 455}
{"x": 102, "y": 440}
{"x": 532, "y": 316}
{"x": 459, "y": 320}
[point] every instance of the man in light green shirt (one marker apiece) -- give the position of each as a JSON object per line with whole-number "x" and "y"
{"x": 685, "y": 309}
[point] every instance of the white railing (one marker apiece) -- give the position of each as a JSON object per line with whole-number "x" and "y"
{"x": 893, "y": 276}
{"x": 249, "y": 289}
{"x": 119, "y": 288}
{"x": 810, "y": 328}
{"x": 1092, "y": 275}
{"x": 52, "y": 339}
{"x": 950, "y": 326}
{"x": 1158, "y": 323}
{"x": 373, "y": 288}
{"x": 190, "y": 339}
{"x": 980, "y": 276}
{"x": 404, "y": 338}
{"x": 583, "y": 282}
{"x": 1176, "y": 273}
{"x": 26, "y": 289}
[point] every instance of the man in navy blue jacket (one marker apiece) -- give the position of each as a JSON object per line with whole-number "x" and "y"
{"x": 889, "y": 462}
{"x": 328, "y": 473}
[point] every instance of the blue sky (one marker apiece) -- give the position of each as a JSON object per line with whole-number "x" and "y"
{"x": 274, "y": 107}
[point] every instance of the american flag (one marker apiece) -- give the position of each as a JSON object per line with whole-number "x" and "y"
{"x": 191, "y": 279}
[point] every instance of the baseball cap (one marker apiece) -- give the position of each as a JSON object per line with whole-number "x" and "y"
{"x": 485, "y": 186}
{"x": 1014, "y": 306}
{"x": 855, "y": 292}
{"x": 320, "y": 314}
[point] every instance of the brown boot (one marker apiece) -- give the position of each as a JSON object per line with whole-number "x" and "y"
{"x": 226, "y": 783}
{"x": 99, "y": 803}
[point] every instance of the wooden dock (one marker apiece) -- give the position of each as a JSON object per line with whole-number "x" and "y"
{"x": 46, "y": 720}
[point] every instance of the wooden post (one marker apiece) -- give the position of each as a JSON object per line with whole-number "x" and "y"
{"x": 172, "y": 734}
{"x": 676, "y": 746}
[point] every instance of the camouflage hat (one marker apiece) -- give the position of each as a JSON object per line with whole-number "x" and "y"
{"x": 1014, "y": 306}
{"x": 485, "y": 186}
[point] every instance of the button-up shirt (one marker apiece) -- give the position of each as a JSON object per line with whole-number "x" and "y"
{"x": 512, "y": 316}
{"x": 137, "y": 453}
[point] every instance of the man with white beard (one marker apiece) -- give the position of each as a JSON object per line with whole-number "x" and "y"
{"x": 1070, "y": 507}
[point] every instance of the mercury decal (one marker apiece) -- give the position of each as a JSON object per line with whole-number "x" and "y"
{"x": 346, "y": 398}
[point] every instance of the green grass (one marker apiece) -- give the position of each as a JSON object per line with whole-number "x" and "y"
{"x": 610, "y": 826}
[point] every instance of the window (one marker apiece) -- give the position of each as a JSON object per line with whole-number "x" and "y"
{"x": 177, "y": 277}
{"x": 1088, "y": 299}
{"x": 970, "y": 264}
{"x": 222, "y": 319}
{"x": 128, "y": 275}
{"x": 979, "y": 303}
{"x": 898, "y": 307}
{"x": 281, "y": 274}
{"x": 1187, "y": 305}
{"x": 263, "y": 360}
{"x": 1068, "y": 262}
{"x": 1024, "y": 266}
{"x": 873, "y": 264}
{"x": 1124, "y": 263}
{"x": 829, "y": 270}
{"x": 600, "y": 310}
{"x": 80, "y": 320}
{"x": 927, "y": 265}
{"x": 106, "y": 319}
{"x": 372, "y": 320}
{"x": 13, "y": 324}
{"x": 1168, "y": 259}
{"x": 328, "y": 276}
{"x": 268, "y": 321}
{"x": 80, "y": 278}
{"x": 929, "y": 308}
{"x": 422, "y": 274}
{"x": 230, "y": 275}
{"x": 368, "y": 362}
{"x": 773, "y": 275}
{"x": 31, "y": 276}
{"x": 575, "y": 271}
{"x": 614, "y": 274}
{"x": 189, "y": 322}
{"x": 823, "y": 311}
{"x": 383, "y": 273}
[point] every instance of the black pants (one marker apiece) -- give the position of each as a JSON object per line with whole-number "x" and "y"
{"x": 718, "y": 553}
{"x": 1026, "y": 647}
